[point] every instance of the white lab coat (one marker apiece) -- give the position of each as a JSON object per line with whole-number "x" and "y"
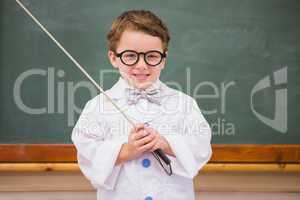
{"x": 101, "y": 130}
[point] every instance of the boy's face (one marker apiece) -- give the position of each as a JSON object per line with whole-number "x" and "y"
{"x": 140, "y": 75}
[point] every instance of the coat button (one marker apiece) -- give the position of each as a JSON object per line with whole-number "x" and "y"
{"x": 146, "y": 163}
{"x": 148, "y": 198}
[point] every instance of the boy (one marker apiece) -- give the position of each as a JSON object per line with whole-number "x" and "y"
{"x": 116, "y": 157}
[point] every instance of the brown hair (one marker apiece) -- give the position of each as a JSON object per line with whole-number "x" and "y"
{"x": 139, "y": 20}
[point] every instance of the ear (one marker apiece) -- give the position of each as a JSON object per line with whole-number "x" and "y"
{"x": 165, "y": 60}
{"x": 112, "y": 58}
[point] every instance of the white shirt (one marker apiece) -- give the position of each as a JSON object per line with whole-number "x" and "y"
{"x": 101, "y": 130}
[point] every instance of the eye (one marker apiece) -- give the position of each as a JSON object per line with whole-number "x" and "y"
{"x": 153, "y": 56}
{"x": 129, "y": 55}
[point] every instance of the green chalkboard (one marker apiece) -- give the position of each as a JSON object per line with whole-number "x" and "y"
{"x": 239, "y": 58}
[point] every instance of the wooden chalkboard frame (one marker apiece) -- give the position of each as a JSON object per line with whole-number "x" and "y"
{"x": 222, "y": 153}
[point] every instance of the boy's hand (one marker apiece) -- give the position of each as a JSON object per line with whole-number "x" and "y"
{"x": 160, "y": 142}
{"x": 140, "y": 141}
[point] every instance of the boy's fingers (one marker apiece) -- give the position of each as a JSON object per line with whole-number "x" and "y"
{"x": 145, "y": 140}
{"x": 132, "y": 137}
{"x": 140, "y": 134}
{"x": 148, "y": 146}
{"x": 154, "y": 148}
{"x": 151, "y": 130}
{"x": 137, "y": 127}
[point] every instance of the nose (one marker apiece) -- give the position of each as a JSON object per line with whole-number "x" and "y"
{"x": 141, "y": 64}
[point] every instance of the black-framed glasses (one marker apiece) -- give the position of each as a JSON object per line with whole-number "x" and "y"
{"x": 151, "y": 58}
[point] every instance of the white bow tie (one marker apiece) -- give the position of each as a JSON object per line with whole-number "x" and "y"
{"x": 134, "y": 95}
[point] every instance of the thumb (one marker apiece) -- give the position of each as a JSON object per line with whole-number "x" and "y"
{"x": 139, "y": 126}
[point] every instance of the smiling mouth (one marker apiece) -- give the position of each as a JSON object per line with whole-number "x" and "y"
{"x": 141, "y": 75}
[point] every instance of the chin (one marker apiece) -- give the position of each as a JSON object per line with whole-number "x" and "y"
{"x": 142, "y": 84}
